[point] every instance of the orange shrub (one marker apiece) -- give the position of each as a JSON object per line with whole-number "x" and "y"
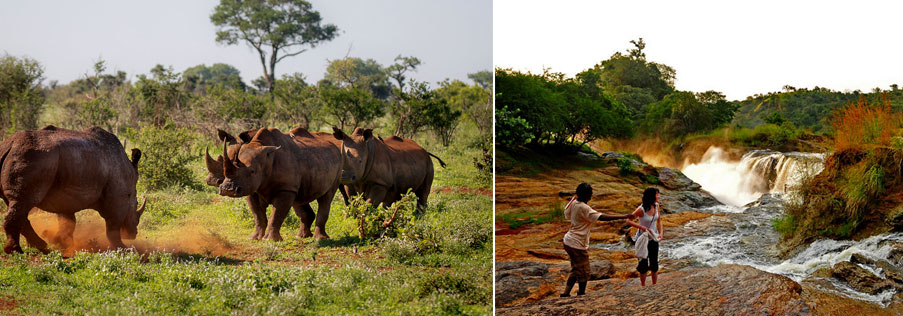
{"x": 861, "y": 123}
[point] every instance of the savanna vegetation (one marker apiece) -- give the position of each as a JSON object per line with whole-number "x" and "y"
{"x": 192, "y": 255}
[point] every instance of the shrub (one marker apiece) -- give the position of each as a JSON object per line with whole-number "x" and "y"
{"x": 166, "y": 152}
{"x": 380, "y": 221}
{"x": 511, "y": 130}
{"x": 861, "y": 123}
{"x": 859, "y": 185}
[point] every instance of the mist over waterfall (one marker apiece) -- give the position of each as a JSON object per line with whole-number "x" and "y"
{"x": 738, "y": 183}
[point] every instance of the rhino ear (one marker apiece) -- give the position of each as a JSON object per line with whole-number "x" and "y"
{"x": 246, "y": 135}
{"x": 224, "y": 136}
{"x": 338, "y": 133}
{"x": 263, "y": 136}
{"x": 368, "y": 134}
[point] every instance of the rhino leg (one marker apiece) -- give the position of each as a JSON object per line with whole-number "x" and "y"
{"x": 323, "y": 205}
{"x": 114, "y": 233}
{"x": 259, "y": 211}
{"x": 306, "y": 214}
{"x": 66, "y": 223}
{"x": 32, "y": 237}
{"x": 16, "y": 216}
{"x": 281, "y": 204}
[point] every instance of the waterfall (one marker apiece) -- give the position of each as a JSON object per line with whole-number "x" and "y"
{"x": 738, "y": 183}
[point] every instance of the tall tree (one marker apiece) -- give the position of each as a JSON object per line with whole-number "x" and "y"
{"x": 199, "y": 77}
{"x": 358, "y": 73}
{"x": 276, "y": 29}
{"x": 21, "y": 95}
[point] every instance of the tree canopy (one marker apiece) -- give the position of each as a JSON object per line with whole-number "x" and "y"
{"x": 275, "y": 29}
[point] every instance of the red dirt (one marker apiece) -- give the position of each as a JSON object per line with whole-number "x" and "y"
{"x": 466, "y": 190}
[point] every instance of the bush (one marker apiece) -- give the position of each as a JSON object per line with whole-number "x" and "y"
{"x": 861, "y": 123}
{"x": 511, "y": 130}
{"x": 166, "y": 152}
{"x": 21, "y": 95}
{"x": 859, "y": 185}
{"x": 380, "y": 221}
{"x": 483, "y": 161}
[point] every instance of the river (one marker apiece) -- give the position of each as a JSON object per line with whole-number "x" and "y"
{"x": 754, "y": 191}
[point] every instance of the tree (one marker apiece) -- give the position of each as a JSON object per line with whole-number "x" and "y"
{"x": 349, "y": 106}
{"x": 473, "y": 100}
{"x": 200, "y": 77}
{"x": 631, "y": 79}
{"x": 401, "y": 66}
{"x": 161, "y": 96}
{"x": 296, "y": 101}
{"x": 360, "y": 74}
{"x": 482, "y": 78}
{"x": 21, "y": 94}
{"x": 276, "y": 29}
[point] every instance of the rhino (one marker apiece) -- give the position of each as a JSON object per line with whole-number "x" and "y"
{"x": 65, "y": 171}
{"x": 284, "y": 170}
{"x": 385, "y": 169}
{"x": 215, "y": 178}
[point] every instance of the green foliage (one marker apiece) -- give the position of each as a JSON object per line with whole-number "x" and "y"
{"x": 765, "y": 135}
{"x": 682, "y": 113}
{"x": 785, "y": 224}
{"x": 483, "y": 161}
{"x": 351, "y": 107}
{"x": 558, "y": 109}
{"x": 381, "y": 221}
{"x": 235, "y": 106}
{"x": 554, "y": 214}
{"x": 859, "y": 185}
{"x": 419, "y": 107}
{"x": 775, "y": 118}
{"x": 633, "y": 80}
{"x": 651, "y": 179}
{"x": 160, "y": 96}
{"x": 473, "y": 100}
{"x": 297, "y": 102}
{"x": 200, "y": 77}
{"x": 21, "y": 95}
{"x": 625, "y": 166}
{"x": 511, "y": 130}
{"x": 276, "y": 29}
{"x": 357, "y": 73}
{"x": 166, "y": 152}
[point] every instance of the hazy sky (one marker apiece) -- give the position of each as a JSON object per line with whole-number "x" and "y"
{"x": 451, "y": 38}
{"x": 738, "y": 48}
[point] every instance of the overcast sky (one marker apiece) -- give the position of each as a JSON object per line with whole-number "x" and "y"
{"x": 738, "y": 48}
{"x": 451, "y": 38}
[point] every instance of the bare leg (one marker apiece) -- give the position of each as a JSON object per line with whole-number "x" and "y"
{"x": 306, "y": 214}
{"x": 323, "y": 205}
{"x": 259, "y": 211}
{"x": 654, "y": 277}
{"x": 16, "y": 217}
{"x": 642, "y": 279}
{"x": 281, "y": 203}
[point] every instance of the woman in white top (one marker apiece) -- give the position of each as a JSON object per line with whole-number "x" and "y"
{"x": 576, "y": 240}
{"x": 650, "y": 220}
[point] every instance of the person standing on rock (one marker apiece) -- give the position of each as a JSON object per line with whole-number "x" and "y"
{"x": 649, "y": 221}
{"x": 576, "y": 240}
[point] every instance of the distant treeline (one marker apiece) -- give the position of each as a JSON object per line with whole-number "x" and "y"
{"x": 620, "y": 97}
{"x": 808, "y": 108}
{"x": 355, "y": 92}
{"x": 627, "y": 95}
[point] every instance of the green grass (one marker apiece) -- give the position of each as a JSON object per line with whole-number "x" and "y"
{"x": 205, "y": 263}
{"x": 554, "y": 214}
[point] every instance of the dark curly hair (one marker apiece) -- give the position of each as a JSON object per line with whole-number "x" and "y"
{"x": 584, "y": 192}
{"x": 649, "y": 198}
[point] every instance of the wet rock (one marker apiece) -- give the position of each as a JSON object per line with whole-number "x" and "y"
{"x": 891, "y": 272}
{"x": 682, "y": 201}
{"x": 721, "y": 290}
{"x": 859, "y": 278}
{"x": 549, "y": 254}
{"x": 862, "y": 259}
{"x": 673, "y": 179}
{"x": 896, "y": 254}
{"x": 895, "y": 217}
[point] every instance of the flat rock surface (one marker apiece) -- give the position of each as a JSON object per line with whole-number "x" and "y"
{"x": 721, "y": 290}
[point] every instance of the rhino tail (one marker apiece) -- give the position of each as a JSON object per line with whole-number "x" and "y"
{"x": 441, "y": 163}
{"x": 136, "y": 156}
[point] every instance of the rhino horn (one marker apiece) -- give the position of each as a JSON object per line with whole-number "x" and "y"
{"x": 213, "y": 166}
{"x": 141, "y": 209}
{"x": 228, "y": 167}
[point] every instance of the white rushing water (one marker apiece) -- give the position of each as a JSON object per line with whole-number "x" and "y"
{"x": 738, "y": 183}
{"x": 751, "y": 241}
